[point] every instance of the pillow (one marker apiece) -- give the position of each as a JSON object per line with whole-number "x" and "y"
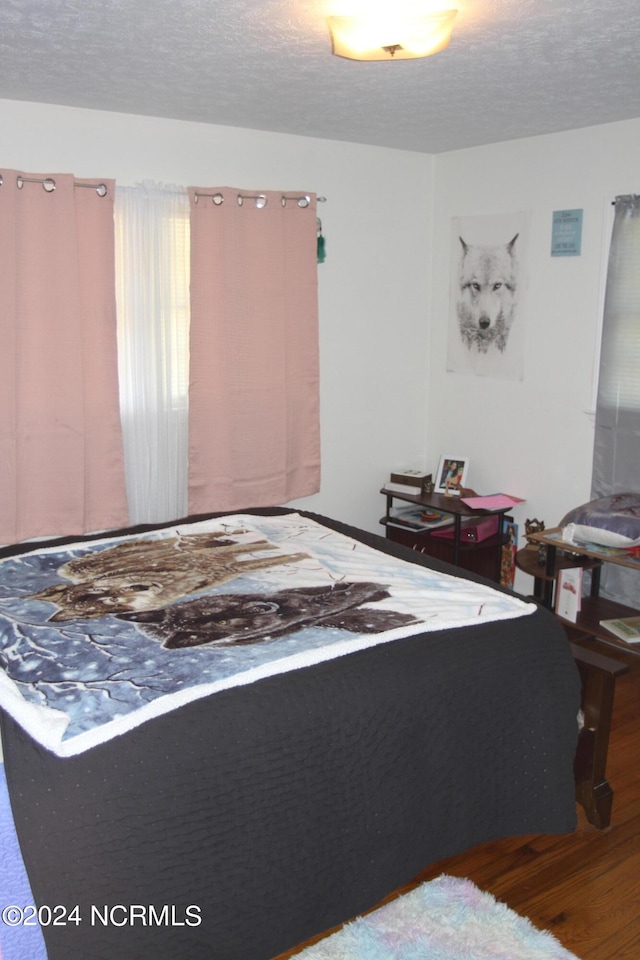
{"x": 610, "y": 522}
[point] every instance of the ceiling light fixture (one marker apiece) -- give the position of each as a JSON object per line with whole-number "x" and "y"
{"x": 391, "y": 37}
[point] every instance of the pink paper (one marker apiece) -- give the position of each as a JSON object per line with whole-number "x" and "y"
{"x": 496, "y": 501}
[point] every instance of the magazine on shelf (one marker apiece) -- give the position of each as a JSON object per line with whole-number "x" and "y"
{"x": 625, "y": 628}
{"x": 419, "y": 518}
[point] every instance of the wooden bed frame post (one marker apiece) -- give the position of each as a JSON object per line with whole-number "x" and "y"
{"x": 593, "y": 790}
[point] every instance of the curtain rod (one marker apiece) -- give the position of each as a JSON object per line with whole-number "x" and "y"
{"x": 49, "y": 184}
{"x": 302, "y": 200}
{"x": 625, "y": 197}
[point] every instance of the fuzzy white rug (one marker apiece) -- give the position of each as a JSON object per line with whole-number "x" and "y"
{"x": 446, "y": 919}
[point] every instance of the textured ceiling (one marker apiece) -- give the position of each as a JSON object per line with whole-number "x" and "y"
{"x": 514, "y": 68}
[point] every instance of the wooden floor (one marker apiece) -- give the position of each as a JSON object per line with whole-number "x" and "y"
{"x": 585, "y": 887}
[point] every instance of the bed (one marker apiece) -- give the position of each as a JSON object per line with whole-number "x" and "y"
{"x": 232, "y": 819}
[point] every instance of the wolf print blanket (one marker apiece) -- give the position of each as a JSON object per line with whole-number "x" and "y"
{"x": 97, "y": 637}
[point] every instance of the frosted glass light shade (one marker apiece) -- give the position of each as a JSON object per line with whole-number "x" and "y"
{"x": 389, "y": 37}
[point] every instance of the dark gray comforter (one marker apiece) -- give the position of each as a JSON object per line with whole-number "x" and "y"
{"x": 265, "y": 814}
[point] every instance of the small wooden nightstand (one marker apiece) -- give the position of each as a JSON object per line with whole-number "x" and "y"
{"x": 482, "y": 557}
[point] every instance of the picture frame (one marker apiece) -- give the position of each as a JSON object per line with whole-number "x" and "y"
{"x": 451, "y": 475}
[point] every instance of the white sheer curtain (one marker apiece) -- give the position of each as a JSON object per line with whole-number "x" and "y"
{"x": 152, "y": 277}
{"x": 616, "y": 457}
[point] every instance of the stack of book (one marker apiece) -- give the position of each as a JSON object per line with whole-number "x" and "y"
{"x": 409, "y": 482}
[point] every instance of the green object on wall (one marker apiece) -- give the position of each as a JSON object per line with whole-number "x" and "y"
{"x": 322, "y": 253}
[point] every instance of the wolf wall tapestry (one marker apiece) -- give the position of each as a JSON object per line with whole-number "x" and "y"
{"x": 486, "y": 321}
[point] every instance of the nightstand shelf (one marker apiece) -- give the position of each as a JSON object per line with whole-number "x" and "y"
{"x": 528, "y": 561}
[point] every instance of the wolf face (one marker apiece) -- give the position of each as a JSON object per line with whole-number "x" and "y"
{"x": 225, "y": 620}
{"x": 488, "y": 280}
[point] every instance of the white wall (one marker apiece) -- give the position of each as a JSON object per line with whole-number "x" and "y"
{"x": 373, "y": 286}
{"x": 532, "y": 438}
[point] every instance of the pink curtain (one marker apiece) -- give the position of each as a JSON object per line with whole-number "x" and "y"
{"x": 61, "y": 462}
{"x": 254, "y": 437}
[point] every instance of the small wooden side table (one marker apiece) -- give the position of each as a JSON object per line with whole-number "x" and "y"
{"x": 483, "y": 557}
{"x": 598, "y": 671}
{"x": 594, "y": 608}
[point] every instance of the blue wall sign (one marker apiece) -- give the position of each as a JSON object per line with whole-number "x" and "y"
{"x": 566, "y": 233}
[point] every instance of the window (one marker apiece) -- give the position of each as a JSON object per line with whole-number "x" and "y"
{"x": 616, "y": 451}
{"x": 619, "y": 383}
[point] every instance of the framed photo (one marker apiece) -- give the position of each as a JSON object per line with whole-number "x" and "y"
{"x": 451, "y": 475}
